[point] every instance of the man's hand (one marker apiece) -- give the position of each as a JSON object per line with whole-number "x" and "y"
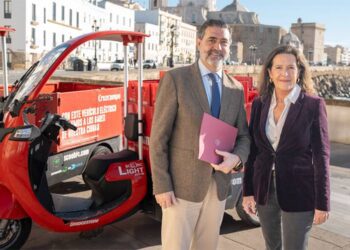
{"x": 249, "y": 205}
{"x": 320, "y": 217}
{"x": 166, "y": 200}
{"x": 229, "y": 161}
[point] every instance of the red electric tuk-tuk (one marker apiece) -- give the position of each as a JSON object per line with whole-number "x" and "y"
{"x": 51, "y": 132}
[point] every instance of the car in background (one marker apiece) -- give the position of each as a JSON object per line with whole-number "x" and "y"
{"x": 117, "y": 65}
{"x": 149, "y": 64}
{"x": 231, "y": 62}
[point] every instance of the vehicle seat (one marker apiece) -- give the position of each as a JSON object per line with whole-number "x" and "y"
{"x": 103, "y": 191}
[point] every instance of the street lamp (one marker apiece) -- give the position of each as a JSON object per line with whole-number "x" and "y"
{"x": 172, "y": 36}
{"x": 309, "y": 55}
{"x": 95, "y": 28}
{"x": 252, "y": 49}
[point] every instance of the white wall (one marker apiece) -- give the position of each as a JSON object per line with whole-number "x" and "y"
{"x": 338, "y": 123}
{"x": 151, "y": 44}
{"x": 18, "y": 10}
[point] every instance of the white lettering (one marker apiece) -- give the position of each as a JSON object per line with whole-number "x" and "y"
{"x": 130, "y": 171}
{"x": 76, "y": 154}
{"x": 81, "y": 223}
{"x": 236, "y": 181}
{"x": 104, "y": 98}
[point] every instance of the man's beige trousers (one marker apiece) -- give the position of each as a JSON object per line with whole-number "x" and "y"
{"x": 193, "y": 225}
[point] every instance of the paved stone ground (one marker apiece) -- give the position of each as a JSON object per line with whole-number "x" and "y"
{"x": 142, "y": 232}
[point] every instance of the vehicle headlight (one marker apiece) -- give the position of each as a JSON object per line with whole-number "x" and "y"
{"x": 23, "y": 133}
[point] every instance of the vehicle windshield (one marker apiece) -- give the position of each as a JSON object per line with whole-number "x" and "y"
{"x": 35, "y": 74}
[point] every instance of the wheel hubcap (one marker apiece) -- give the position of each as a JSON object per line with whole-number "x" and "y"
{"x": 9, "y": 231}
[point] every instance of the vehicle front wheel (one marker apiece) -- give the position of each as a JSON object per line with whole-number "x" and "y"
{"x": 14, "y": 233}
{"x": 252, "y": 220}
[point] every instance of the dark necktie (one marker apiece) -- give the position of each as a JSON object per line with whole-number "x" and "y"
{"x": 215, "y": 95}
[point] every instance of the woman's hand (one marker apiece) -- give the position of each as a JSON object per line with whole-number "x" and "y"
{"x": 320, "y": 217}
{"x": 249, "y": 204}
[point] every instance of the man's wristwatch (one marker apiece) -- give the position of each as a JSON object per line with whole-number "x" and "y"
{"x": 238, "y": 166}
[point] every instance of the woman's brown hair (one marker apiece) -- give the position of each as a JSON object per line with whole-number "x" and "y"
{"x": 265, "y": 87}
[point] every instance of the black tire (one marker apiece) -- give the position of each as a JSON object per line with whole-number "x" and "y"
{"x": 15, "y": 234}
{"x": 251, "y": 220}
{"x": 100, "y": 150}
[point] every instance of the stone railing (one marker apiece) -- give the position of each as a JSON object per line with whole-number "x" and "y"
{"x": 330, "y": 82}
{"x": 333, "y": 84}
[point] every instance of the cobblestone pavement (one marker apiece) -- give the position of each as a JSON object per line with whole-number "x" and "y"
{"x": 142, "y": 232}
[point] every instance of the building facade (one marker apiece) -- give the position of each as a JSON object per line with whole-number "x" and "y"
{"x": 151, "y": 44}
{"x": 311, "y": 36}
{"x": 42, "y": 25}
{"x": 291, "y": 39}
{"x": 334, "y": 54}
{"x": 157, "y": 4}
{"x": 251, "y": 41}
{"x": 345, "y": 56}
{"x": 187, "y": 43}
{"x": 173, "y": 35}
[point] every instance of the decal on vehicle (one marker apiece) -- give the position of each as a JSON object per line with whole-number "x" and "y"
{"x": 82, "y": 223}
{"x": 105, "y": 98}
{"x": 76, "y": 154}
{"x": 125, "y": 170}
{"x": 74, "y": 166}
{"x": 236, "y": 181}
{"x": 56, "y": 162}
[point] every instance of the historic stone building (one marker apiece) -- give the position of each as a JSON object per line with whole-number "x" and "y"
{"x": 333, "y": 54}
{"x": 177, "y": 40}
{"x": 312, "y": 37}
{"x": 291, "y": 39}
{"x": 251, "y": 41}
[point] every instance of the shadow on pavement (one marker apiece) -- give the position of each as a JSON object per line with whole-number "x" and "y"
{"x": 340, "y": 155}
{"x": 231, "y": 225}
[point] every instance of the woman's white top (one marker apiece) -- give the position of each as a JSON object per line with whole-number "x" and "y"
{"x": 273, "y": 130}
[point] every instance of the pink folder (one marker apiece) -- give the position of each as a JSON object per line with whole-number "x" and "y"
{"x": 215, "y": 134}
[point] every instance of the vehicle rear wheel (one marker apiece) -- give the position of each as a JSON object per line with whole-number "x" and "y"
{"x": 14, "y": 233}
{"x": 101, "y": 150}
{"x": 252, "y": 220}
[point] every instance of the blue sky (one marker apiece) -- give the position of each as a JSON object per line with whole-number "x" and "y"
{"x": 335, "y": 15}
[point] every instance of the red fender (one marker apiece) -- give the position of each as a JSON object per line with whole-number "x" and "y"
{"x": 9, "y": 207}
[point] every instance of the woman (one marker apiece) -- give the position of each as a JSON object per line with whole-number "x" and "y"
{"x": 287, "y": 173}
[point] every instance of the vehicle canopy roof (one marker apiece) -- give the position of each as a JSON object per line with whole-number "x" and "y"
{"x": 36, "y": 77}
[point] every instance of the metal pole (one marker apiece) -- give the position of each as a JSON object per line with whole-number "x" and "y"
{"x": 255, "y": 48}
{"x": 4, "y": 65}
{"x": 95, "y": 28}
{"x": 139, "y": 101}
{"x": 126, "y": 83}
{"x": 95, "y": 58}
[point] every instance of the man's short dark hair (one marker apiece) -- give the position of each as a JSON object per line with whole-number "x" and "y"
{"x": 210, "y": 23}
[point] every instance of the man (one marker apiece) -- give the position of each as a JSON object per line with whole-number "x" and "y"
{"x": 191, "y": 192}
